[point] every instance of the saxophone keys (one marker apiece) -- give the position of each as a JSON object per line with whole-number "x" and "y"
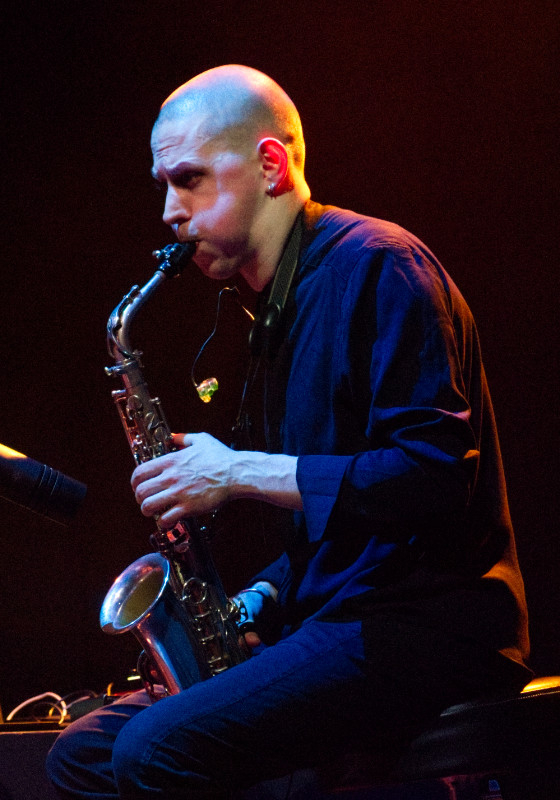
{"x": 134, "y": 407}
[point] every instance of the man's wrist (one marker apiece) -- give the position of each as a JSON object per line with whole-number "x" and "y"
{"x": 268, "y": 477}
{"x": 263, "y": 588}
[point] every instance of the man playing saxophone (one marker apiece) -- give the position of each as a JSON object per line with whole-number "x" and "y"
{"x": 399, "y": 592}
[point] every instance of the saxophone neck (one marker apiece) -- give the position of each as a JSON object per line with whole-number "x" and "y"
{"x": 120, "y": 321}
{"x": 171, "y": 260}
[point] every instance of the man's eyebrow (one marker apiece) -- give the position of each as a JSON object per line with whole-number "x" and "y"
{"x": 176, "y": 170}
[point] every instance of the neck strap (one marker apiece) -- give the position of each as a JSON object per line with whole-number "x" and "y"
{"x": 264, "y": 334}
{"x": 267, "y": 324}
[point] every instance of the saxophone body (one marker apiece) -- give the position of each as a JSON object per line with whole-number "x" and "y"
{"x": 172, "y": 600}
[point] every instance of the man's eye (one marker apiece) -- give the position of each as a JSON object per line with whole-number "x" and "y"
{"x": 187, "y": 180}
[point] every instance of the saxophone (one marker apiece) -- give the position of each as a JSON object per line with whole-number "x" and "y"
{"x": 172, "y": 600}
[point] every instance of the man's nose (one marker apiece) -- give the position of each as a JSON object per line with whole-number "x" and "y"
{"x": 175, "y": 210}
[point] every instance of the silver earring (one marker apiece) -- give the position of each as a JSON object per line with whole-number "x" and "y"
{"x": 271, "y": 189}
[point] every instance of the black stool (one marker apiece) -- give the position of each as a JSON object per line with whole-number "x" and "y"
{"x": 513, "y": 743}
{"x": 505, "y": 749}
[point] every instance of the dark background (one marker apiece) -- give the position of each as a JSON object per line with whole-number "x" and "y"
{"x": 439, "y": 116}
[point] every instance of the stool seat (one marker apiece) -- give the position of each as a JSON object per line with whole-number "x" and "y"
{"x": 516, "y": 736}
{"x": 511, "y": 742}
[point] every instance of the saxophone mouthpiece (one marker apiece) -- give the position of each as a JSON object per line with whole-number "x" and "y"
{"x": 174, "y": 257}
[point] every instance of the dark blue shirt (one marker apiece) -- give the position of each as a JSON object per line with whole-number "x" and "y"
{"x": 380, "y": 391}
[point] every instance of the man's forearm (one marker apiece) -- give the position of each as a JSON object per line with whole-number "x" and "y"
{"x": 262, "y": 476}
{"x": 203, "y": 473}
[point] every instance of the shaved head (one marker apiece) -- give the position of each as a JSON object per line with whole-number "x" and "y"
{"x": 228, "y": 147}
{"x": 241, "y": 105}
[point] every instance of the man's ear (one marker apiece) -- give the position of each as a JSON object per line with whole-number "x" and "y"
{"x": 274, "y": 158}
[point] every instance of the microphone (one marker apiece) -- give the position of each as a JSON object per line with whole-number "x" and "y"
{"x": 39, "y": 488}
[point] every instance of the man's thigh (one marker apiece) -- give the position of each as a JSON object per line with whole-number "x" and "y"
{"x": 281, "y": 709}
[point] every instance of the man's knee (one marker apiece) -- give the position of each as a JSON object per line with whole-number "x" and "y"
{"x": 67, "y": 758}
{"x": 146, "y": 759}
{"x": 131, "y": 752}
{"x": 57, "y": 761}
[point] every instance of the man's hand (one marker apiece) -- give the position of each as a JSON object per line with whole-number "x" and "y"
{"x": 258, "y": 613}
{"x": 204, "y": 474}
{"x": 189, "y": 482}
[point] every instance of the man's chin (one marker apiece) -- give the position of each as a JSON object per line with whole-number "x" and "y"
{"x": 214, "y": 267}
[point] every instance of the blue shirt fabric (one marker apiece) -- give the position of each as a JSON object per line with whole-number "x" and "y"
{"x": 378, "y": 387}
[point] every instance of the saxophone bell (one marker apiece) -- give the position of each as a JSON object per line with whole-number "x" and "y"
{"x": 141, "y": 600}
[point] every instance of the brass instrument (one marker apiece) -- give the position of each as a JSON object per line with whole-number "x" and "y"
{"x": 172, "y": 600}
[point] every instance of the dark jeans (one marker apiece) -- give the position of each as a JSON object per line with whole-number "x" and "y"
{"x": 300, "y": 702}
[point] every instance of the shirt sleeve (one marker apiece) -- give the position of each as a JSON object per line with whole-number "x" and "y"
{"x": 278, "y": 573}
{"x": 419, "y": 453}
